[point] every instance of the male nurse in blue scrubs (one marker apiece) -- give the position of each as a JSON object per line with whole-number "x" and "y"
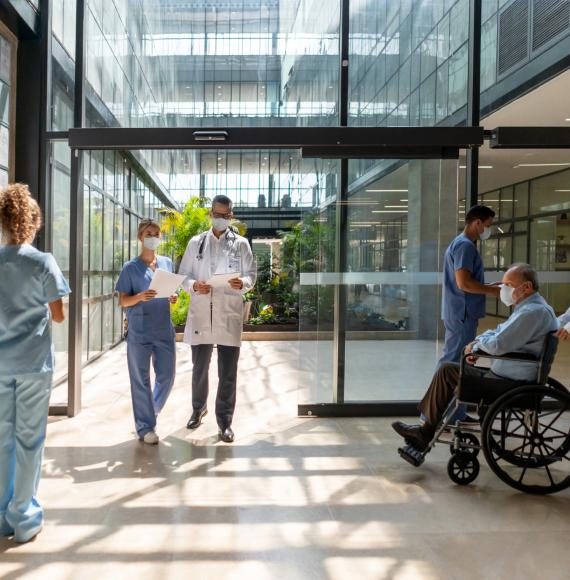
{"x": 464, "y": 288}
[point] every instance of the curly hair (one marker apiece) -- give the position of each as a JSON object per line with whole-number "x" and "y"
{"x": 20, "y": 215}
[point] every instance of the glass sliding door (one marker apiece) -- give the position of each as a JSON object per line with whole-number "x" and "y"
{"x": 398, "y": 226}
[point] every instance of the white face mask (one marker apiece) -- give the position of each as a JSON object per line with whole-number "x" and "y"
{"x": 507, "y": 295}
{"x": 220, "y": 224}
{"x": 151, "y": 243}
{"x": 486, "y": 234}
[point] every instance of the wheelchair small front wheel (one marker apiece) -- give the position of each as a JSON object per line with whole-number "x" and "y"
{"x": 468, "y": 443}
{"x": 463, "y": 468}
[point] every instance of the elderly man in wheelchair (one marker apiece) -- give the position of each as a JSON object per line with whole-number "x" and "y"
{"x": 524, "y": 414}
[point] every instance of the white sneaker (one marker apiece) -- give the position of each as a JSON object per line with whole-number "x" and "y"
{"x": 150, "y": 438}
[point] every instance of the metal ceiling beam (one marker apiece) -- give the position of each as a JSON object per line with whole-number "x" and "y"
{"x": 380, "y": 138}
{"x": 530, "y": 138}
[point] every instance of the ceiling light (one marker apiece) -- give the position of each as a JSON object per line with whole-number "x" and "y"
{"x": 394, "y": 206}
{"x": 541, "y": 165}
{"x": 387, "y": 190}
{"x": 389, "y": 211}
{"x": 403, "y": 200}
{"x": 567, "y": 120}
{"x": 562, "y": 190}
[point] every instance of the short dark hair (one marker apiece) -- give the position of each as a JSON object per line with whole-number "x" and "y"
{"x": 527, "y": 272}
{"x": 222, "y": 200}
{"x": 479, "y": 212}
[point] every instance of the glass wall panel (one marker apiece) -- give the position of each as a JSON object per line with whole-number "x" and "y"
{"x": 7, "y": 105}
{"x": 193, "y": 64}
{"x": 398, "y": 230}
{"x": 317, "y": 252}
{"x": 532, "y": 226}
{"x": 59, "y": 233}
{"x": 402, "y": 50}
{"x": 550, "y": 193}
{"x": 62, "y": 70}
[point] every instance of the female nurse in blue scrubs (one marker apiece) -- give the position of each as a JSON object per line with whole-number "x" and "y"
{"x": 150, "y": 335}
{"x": 31, "y": 291}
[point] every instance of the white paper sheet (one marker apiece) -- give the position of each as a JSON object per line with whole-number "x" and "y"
{"x": 165, "y": 283}
{"x": 221, "y": 280}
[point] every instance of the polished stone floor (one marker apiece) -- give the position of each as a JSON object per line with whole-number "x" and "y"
{"x": 291, "y": 498}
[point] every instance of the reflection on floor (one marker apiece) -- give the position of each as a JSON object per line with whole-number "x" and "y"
{"x": 292, "y": 498}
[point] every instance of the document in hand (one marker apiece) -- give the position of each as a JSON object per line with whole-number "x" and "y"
{"x": 165, "y": 283}
{"x": 221, "y": 280}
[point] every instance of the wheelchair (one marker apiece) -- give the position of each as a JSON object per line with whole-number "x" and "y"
{"x": 523, "y": 428}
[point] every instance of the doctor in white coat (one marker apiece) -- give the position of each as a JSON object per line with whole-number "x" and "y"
{"x": 215, "y": 316}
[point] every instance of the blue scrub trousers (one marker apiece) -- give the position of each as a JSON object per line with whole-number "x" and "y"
{"x": 148, "y": 401}
{"x": 24, "y": 405}
{"x": 458, "y": 334}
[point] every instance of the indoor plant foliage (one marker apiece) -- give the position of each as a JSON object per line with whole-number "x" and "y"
{"x": 309, "y": 247}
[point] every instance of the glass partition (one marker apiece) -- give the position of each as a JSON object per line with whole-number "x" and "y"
{"x": 399, "y": 226}
{"x": 195, "y": 64}
{"x": 530, "y": 197}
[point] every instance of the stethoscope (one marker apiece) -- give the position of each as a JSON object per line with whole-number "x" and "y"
{"x": 231, "y": 242}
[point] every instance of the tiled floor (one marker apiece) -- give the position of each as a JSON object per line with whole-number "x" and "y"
{"x": 291, "y": 498}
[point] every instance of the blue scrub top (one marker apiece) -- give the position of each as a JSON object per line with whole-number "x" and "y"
{"x": 458, "y": 305}
{"x": 148, "y": 321}
{"x": 29, "y": 281}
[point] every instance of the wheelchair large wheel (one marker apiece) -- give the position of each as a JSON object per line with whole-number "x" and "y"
{"x": 526, "y": 439}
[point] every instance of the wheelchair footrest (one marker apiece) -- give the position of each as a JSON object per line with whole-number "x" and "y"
{"x": 412, "y": 455}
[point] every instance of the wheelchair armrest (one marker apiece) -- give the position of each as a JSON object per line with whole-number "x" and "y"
{"x": 514, "y": 356}
{"x": 521, "y": 356}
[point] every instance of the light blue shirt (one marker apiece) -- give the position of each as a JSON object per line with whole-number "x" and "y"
{"x": 523, "y": 332}
{"x": 564, "y": 319}
{"x": 29, "y": 281}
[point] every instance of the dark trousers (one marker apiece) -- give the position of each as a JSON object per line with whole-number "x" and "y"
{"x": 442, "y": 390}
{"x": 228, "y": 357}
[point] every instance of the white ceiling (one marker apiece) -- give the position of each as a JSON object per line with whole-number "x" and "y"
{"x": 546, "y": 106}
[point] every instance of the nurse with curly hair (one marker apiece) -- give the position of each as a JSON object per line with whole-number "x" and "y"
{"x": 31, "y": 291}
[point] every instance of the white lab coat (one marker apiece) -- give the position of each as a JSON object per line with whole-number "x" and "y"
{"x": 217, "y": 317}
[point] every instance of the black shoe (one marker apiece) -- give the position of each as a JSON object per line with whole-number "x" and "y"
{"x": 414, "y": 435}
{"x": 226, "y": 435}
{"x": 196, "y": 419}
